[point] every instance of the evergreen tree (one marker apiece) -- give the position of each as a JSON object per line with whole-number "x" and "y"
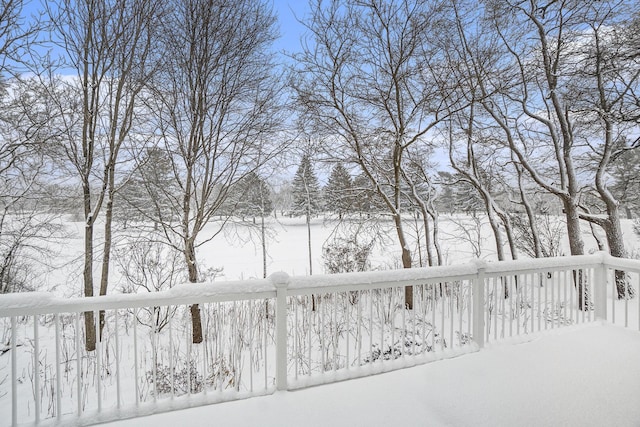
{"x": 254, "y": 197}
{"x": 365, "y": 198}
{"x": 150, "y": 193}
{"x": 306, "y": 190}
{"x": 306, "y": 198}
{"x": 338, "y": 193}
{"x": 461, "y": 195}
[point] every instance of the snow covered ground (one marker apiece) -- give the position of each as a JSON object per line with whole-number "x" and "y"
{"x": 238, "y": 251}
{"x": 581, "y": 375}
{"x": 585, "y": 375}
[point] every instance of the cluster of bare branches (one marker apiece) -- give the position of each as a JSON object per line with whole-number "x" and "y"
{"x": 526, "y": 97}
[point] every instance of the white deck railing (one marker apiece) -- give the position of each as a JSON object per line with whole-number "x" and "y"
{"x": 281, "y": 333}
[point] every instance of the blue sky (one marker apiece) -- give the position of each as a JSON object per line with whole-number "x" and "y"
{"x": 290, "y": 29}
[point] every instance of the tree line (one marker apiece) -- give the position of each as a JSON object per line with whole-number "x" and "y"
{"x": 165, "y": 115}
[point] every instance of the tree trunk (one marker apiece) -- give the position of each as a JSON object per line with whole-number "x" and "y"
{"x": 576, "y": 246}
{"x": 427, "y": 233}
{"x": 192, "y": 267}
{"x": 406, "y": 260}
{"x": 418, "y": 239}
{"x": 264, "y": 247}
{"x": 533, "y": 225}
{"x": 615, "y": 241}
{"x": 436, "y": 230}
{"x": 497, "y": 235}
{"x": 309, "y": 244}
{"x": 106, "y": 256}
{"x": 90, "y": 330}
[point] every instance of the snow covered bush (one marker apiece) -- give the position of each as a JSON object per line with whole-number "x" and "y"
{"x": 150, "y": 266}
{"x": 184, "y": 380}
{"x": 345, "y": 255}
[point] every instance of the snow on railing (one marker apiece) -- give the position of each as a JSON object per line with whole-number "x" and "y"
{"x": 282, "y": 333}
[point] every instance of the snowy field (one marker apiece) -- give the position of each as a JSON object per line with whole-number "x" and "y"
{"x": 238, "y": 252}
{"x": 579, "y": 376}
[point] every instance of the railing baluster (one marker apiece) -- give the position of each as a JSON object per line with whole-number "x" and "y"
{"x": 321, "y": 307}
{"x": 251, "y": 330}
{"x": 553, "y": 303}
{"x": 424, "y": 318}
{"x": 117, "y": 357}
{"x": 265, "y": 347}
{"x": 58, "y": 375}
{"x": 539, "y": 284}
{"x": 532, "y": 284}
{"x": 334, "y": 297}
{"x": 98, "y": 354}
{"x": 546, "y": 303}
{"x": 347, "y": 305}
{"x": 154, "y": 355}
{"x": 460, "y": 304}
{"x": 593, "y": 290}
{"x": 310, "y": 317}
{"x": 136, "y": 375}
{"x": 433, "y": 317}
{"x": 14, "y": 372}
{"x": 220, "y": 322}
{"x": 442, "y": 323}
{"x": 503, "y": 303}
{"x": 469, "y": 303}
{"x": 78, "y": 363}
{"x": 296, "y": 333}
{"x": 508, "y": 283}
{"x": 413, "y": 320}
{"x": 613, "y": 299}
{"x": 518, "y": 285}
{"x": 36, "y": 366}
{"x": 626, "y": 302}
{"x": 564, "y": 300}
{"x": 359, "y": 340}
{"x": 581, "y": 289}
{"x": 638, "y": 297}
{"x": 451, "y": 308}
{"x": 496, "y": 304}
{"x": 382, "y": 321}
{"x": 171, "y": 363}
{"x": 392, "y": 314}
{"x": 202, "y": 351}
{"x": 403, "y": 335}
{"x": 572, "y": 296}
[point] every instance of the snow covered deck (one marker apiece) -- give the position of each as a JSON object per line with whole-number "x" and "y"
{"x": 586, "y": 375}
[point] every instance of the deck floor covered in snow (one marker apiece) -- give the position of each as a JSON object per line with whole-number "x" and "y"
{"x": 587, "y": 375}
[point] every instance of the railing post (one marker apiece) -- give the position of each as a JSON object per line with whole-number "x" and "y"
{"x": 478, "y": 304}
{"x": 281, "y": 281}
{"x": 600, "y": 288}
{"x": 14, "y": 372}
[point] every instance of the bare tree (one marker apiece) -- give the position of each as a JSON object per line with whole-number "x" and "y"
{"x": 148, "y": 265}
{"x": 479, "y": 166}
{"x": 367, "y": 82}
{"x": 423, "y": 193}
{"x": 609, "y": 75}
{"x": 18, "y": 35}
{"x": 522, "y": 66}
{"x": 27, "y": 225}
{"x": 216, "y": 108}
{"x": 110, "y": 44}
